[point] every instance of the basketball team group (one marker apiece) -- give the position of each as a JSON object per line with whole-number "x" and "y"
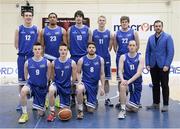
{"x": 45, "y": 70}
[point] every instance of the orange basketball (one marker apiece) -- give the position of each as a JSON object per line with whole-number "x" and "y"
{"x": 65, "y": 114}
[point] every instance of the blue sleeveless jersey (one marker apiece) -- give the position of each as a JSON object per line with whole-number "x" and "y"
{"x": 123, "y": 39}
{"x": 78, "y": 40}
{"x": 27, "y": 37}
{"x": 91, "y": 70}
{"x": 102, "y": 40}
{"x": 37, "y": 72}
{"x": 63, "y": 72}
{"x": 130, "y": 67}
{"x": 52, "y": 40}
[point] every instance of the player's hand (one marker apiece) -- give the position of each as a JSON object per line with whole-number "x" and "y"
{"x": 148, "y": 68}
{"x": 124, "y": 82}
{"x": 102, "y": 92}
{"x": 165, "y": 68}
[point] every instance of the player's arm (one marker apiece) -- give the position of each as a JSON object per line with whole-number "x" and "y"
{"x": 115, "y": 43}
{"x": 74, "y": 71}
{"x": 16, "y": 38}
{"x": 102, "y": 77}
{"x": 52, "y": 71}
{"x": 90, "y": 35}
{"x": 68, "y": 37}
{"x": 137, "y": 39}
{"x": 26, "y": 70}
{"x": 121, "y": 67}
{"x": 139, "y": 70}
{"x": 42, "y": 39}
{"x": 64, "y": 35}
{"x": 111, "y": 41}
{"x": 39, "y": 35}
{"x": 49, "y": 70}
{"x": 79, "y": 67}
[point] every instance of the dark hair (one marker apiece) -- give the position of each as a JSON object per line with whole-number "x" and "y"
{"x": 79, "y": 13}
{"x": 37, "y": 44}
{"x": 63, "y": 44}
{"x": 29, "y": 11}
{"x": 124, "y": 18}
{"x": 158, "y": 21}
{"x": 91, "y": 43}
{"x": 52, "y": 13}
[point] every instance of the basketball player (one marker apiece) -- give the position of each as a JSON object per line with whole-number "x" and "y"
{"x": 37, "y": 73}
{"x": 63, "y": 69}
{"x": 78, "y": 37}
{"x": 130, "y": 70}
{"x": 103, "y": 39}
{"x": 92, "y": 68}
{"x": 25, "y": 36}
{"x": 51, "y": 37}
{"x": 121, "y": 40}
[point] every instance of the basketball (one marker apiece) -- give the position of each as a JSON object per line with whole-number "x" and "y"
{"x": 65, "y": 114}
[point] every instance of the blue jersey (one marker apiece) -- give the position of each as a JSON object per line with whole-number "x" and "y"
{"x": 37, "y": 72}
{"x": 102, "y": 40}
{"x": 91, "y": 70}
{"x": 78, "y": 40}
{"x": 52, "y": 40}
{"x": 63, "y": 72}
{"x": 123, "y": 39}
{"x": 27, "y": 37}
{"x": 130, "y": 67}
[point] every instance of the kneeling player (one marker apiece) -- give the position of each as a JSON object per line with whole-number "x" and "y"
{"x": 130, "y": 70}
{"x": 63, "y": 69}
{"x": 38, "y": 69}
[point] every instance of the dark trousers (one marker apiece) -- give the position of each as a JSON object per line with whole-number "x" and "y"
{"x": 160, "y": 78}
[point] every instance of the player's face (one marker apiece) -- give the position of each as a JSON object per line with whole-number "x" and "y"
{"x": 28, "y": 17}
{"x": 37, "y": 49}
{"x": 124, "y": 24}
{"x": 101, "y": 22}
{"x": 63, "y": 51}
{"x": 79, "y": 19}
{"x": 91, "y": 49}
{"x": 52, "y": 19}
{"x": 132, "y": 47}
{"x": 158, "y": 28}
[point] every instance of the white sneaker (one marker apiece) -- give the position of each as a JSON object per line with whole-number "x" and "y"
{"x": 122, "y": 114}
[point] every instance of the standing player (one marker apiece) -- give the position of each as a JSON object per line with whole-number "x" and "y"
{"x": 63, "y": 69}
{"x": 103, "y": 39}
{"x": 37, "y": 73}
{"x": 92, "y": 68}
{"x": 130, "y": 70}
{"x": 78, "y": 37}
{"x": 25, "y": 36}
{"x": 159, "y": 56}
{"x": 122, "y": 38}
{"x": 51, "y": 37}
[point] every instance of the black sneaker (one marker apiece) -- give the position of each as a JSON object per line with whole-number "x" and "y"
{"x": 118, "y": 105}
{"x": 108, "y": 103}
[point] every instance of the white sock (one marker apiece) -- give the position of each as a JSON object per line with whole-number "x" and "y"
{"x": 123, "y": 106}
{"x": 52, "y": 108}
{"x": 80, "y": 107}
{"x": 106, "y": 96}
{"x": 24, "y": 109}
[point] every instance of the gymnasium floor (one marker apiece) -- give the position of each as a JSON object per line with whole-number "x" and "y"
{"x": 104, "y": 117}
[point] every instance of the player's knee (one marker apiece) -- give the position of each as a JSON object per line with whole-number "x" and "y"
{"x": 80, "y": 89}
{"x": 51, "y": 90}
{"x": 24, "y": 91}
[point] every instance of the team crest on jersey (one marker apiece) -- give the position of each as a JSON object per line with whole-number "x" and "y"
{"x": 66, "y": 67}
{"x": 42, "y": 66}
{"x": 48, "y": 33}
{"x": 57, "y": 33}
{"x": 32, "y": 32}
{"x": 86, "y": 64}
{"x": 96, "y": 63}
{"x": 23, "y": 32}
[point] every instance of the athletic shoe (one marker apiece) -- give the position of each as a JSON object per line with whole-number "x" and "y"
{"x": 153, "y": 106}
{"x": 108, "y": 103}
{"x": 57, "y": 102}
{"x": 118, "y": 105}
{"x": 80, "y": 115}
{"x": 51, "y": 117}
{"x": 24, "y": 118}
{"x": 164, "y": 108}
{"x": 122, "y": 114}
